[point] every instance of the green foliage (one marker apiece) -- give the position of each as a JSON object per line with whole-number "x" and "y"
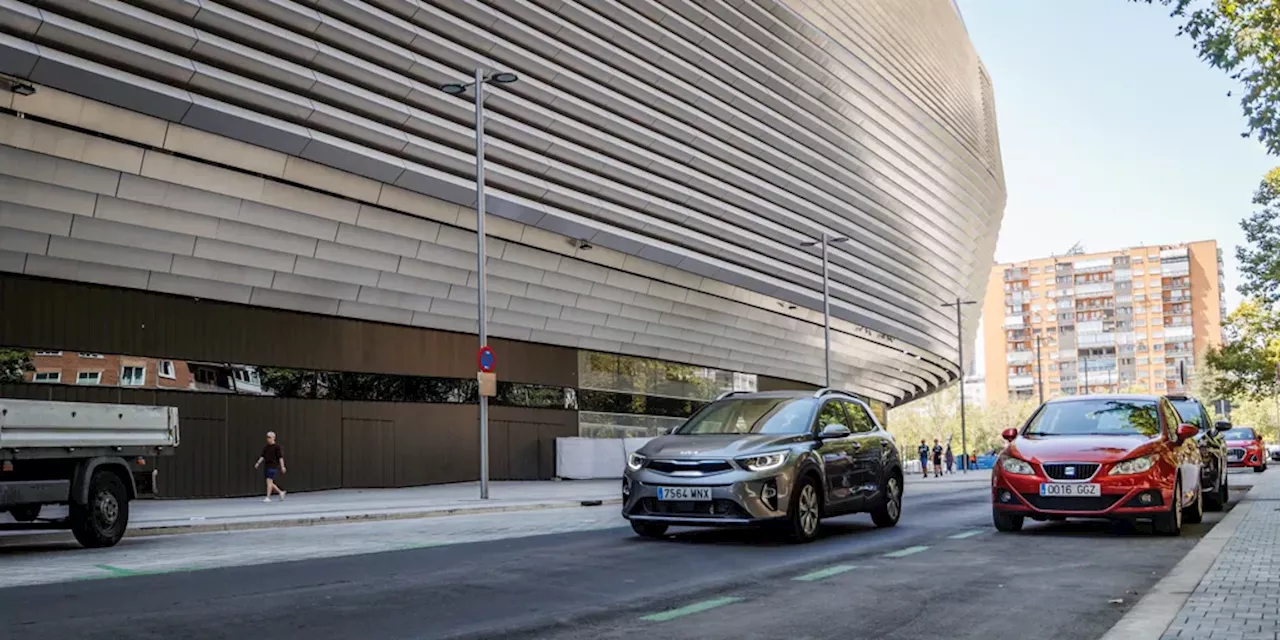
{"x": 15, "y": 364}
{"x": 1245, "y": 365}
{"x": 1242, "y": 38}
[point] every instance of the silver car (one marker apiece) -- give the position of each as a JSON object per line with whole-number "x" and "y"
{"x": 786, "y": 459}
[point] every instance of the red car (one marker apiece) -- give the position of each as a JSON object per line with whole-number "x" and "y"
{"x": 1245, "y": 448}
{"x": 1116, "y": 457}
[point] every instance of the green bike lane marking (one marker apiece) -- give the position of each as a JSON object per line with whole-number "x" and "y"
{"x": 697, "y": 607}
{"x": 112, "y": 571}
{"x": 902, "y": 553}
{"x": 825, "y": 573}
{"x": 966, "y": 534}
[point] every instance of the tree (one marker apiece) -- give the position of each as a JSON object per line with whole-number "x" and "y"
{"x": 1242, "y": 38}
{"x": 1244, "y": 366}
{"x": 1260, "y": 257}
{"x": 15, "y": 364}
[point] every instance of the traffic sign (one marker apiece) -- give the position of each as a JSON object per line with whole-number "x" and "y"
{"x": 485, "y": 359}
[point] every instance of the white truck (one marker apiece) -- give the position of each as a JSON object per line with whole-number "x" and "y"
{"x": 94, "y": 458}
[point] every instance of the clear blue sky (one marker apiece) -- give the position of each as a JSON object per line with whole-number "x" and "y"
{"x": 1113, "y": 132}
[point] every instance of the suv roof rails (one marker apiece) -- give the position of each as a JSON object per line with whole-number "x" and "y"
{"x": 727, "y": 394}
{"x": 1178, "y": 396}
{"x": 827, "y": 391}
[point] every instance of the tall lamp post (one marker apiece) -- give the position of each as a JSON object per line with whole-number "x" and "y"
{"x": 1039, "y": 370}
{"x": 826, "y": 299}
{"x": 959, "y": 304}
{"x": 453, "y": 89}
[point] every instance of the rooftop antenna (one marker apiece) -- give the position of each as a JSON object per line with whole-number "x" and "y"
{"x": 1076, "y": 249}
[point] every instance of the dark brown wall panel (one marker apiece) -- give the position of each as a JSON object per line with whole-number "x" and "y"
{"x": 50, "y": 314}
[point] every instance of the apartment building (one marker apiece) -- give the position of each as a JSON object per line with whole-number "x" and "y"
{"x": 71, "y": 367}
{"x": 1137, "y": 318}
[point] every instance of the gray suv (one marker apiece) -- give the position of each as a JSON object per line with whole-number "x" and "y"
{"x": 786, "y": 459}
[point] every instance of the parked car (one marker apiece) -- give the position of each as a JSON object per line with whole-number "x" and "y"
{"x": 1274, "y": 450}
{"x": 785, "y": 459}
{"x": 1245, "y": 448}
{"x": 1122, "y": 457}
{"x": 1214, "y": 479}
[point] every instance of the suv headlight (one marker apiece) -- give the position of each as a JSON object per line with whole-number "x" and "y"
{"x": 1016, "y": 466}
{"x": 764, "y": 462}
{"x": 1133, "y": 465}
{"x": 635, "y": 461}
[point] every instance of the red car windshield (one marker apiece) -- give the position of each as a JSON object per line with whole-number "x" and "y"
{"x": 1096, "y": 418}
{"x": 1239, "y": 434}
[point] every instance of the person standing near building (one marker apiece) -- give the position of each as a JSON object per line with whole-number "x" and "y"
{"x": 923, "y": 450}
{"x": 272, "y": 462}
{"x": 937, "y": 458}
{"x": 950, "y": 457}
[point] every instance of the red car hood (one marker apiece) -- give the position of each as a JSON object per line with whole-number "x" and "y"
{"x": 1101, "y": 449}
{"x": 1243, "y": 443}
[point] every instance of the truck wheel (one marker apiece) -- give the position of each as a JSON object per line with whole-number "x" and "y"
{"x": 101, "y": 522}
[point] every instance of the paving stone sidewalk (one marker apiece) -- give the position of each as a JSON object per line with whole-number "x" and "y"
{"x": 1239, "y": 598}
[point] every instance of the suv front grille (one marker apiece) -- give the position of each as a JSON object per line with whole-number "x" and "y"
{"x": 690, "y": 467}
{"x": 1055, "y": 503}
{"x": 1070, "y": 470}
{"x": 718, "y": 508}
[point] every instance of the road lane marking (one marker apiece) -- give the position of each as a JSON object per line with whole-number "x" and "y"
{"x": 902, "y": 553}
{"x": 116, "y": 571}
{"x": 825, "y": 573}
{"x": 697, "y": 607}
{"x": 966, "y": 534}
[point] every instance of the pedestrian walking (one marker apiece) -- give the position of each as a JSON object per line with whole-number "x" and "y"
{"x": 937, "y": 458}
{"x": 272, "y": 463}
{"x": 923, "y": 450}
{"x": 951, "y": 458}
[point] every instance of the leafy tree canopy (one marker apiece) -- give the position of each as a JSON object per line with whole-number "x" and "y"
{"x": 1242, "y": 38}
{"x": 14, "y": 364}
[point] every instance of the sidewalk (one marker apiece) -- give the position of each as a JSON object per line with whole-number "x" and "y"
{"x": 1228, "y": 586}
{"x": 157, "y": 517}
{"x": 1239, "y": 597}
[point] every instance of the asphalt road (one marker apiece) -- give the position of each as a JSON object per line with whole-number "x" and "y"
{"x": 942, "y": 572}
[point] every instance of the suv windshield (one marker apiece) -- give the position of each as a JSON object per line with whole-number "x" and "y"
{"x": 751, "y": 415}
{"x": 1242, "y": 433}
{"x": 1096, "y": 417}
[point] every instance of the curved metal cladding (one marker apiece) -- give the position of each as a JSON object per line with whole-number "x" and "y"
{"x": 300, "y": 154}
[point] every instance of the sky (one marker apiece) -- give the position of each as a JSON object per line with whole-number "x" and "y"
{"x": 1113, "y": 132}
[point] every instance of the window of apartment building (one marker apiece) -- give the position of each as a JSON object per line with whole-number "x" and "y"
{"x": 1035, "y": 270}
{"x": 47, "y": 376}
{"x": 1139, "y": 297}
{"x": 1137, "y": 271}
{"x": 95, "y": 356}
{"x": 1155, "y": 284}
{"x": 1157, "y": 334}
{"x": 49, "y": 354}
{"x": 165, "y": 369}
{"x": 1137, "y": 259}
{"x": 1035, "y": 307}
{"x": 133, "y": 376}
{"x": 1035, "y": 283}
{"x": 89, "y": 377}
{"x": 1141, "y": 322}
{"x": 1157, "y": 347}
{"x": 1138, "y": 284}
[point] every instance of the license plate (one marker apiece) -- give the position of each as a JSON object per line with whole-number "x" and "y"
{"x": 684, "y": 493}
{"x": 1070, "y": 490}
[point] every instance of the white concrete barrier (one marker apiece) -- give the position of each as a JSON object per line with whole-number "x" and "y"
{"x": 592, "y": 458}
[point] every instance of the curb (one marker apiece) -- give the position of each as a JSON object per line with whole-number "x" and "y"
{"x": 1149, "y": 618}
{"x": 315, "y": 520}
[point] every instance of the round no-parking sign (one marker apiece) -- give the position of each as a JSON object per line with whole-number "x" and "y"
{"x": 485, "y": 359}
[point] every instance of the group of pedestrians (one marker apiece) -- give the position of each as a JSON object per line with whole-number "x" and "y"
{"x": 940, "y": 455}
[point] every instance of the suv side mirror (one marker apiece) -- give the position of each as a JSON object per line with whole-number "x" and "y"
{"x": 1009, "y": 434}
{"x": 1220, "y": 426}
{"x": 1186, "y": 432}
{"x": 833, "y": 431}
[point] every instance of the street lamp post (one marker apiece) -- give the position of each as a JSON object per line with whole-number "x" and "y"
{"x": 454, "y": 89}
{"x": 1039, "y": 370}
{"x": 959, "y": 304}
{"x": 826, "y": 300}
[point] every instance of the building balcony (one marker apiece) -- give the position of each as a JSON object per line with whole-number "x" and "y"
{"x": 1020, "y": 357}
{"x": 1021, "y": 382}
